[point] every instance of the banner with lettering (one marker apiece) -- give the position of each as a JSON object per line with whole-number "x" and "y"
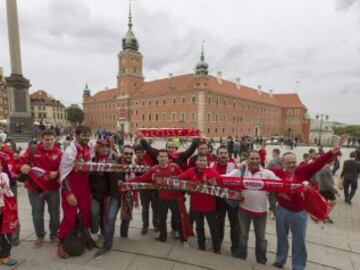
{"x": 183, "y": 185}
{"x": 169, "y": 132}
{"x": 109, "y": 167}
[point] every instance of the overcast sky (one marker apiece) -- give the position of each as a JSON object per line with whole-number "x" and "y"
{"x": 273, "y": 43}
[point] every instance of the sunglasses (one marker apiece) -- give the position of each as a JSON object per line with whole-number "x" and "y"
{"x": 128, "y": 154}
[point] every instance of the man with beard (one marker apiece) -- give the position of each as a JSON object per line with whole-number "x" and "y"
{"x": 203, "y": 150}
{"x": 76, "y": 194}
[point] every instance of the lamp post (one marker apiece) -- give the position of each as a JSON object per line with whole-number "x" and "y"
{"x": 321, "y": 116}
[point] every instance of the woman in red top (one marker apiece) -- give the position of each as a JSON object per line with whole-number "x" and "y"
{"x": 203, "y": 205}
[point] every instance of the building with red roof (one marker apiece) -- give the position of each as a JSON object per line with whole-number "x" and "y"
{"x": 218, "y": 107}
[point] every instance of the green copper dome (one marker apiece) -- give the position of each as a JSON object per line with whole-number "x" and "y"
{"x": 202, "y": 66}
{"x": 130, "y": 41}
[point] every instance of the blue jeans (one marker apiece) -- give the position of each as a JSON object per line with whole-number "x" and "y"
{"x": 296, "y": 222}
{"x": 37, "y": 202}
{"x": 113, "y": 209}
{"x": 97, "y": 213}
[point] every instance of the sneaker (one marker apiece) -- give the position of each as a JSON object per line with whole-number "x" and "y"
{"x": 278, "y": 265}
{"x": 144, "y": 231}
{"x": 38, "y": 242}
{"x": 90, "y": 244}
{"x": 217, "y": 252}
{"x": 61, "y": 252}
{"x": 101, "y": 251}
{"x": 202, "y": 248}
{"x": 160, "y": 240}
{"x": 185, "y": 244}
{"x": 329, "y": 220}
{"x": 8, "y": 261}
{"x": 156, "y": 229}
{"x": 53, "y": 239}
{"x": 16, "y": 242}
{"x": 175, "y": 234}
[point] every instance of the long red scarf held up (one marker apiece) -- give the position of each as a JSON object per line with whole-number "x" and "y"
{"x": 183, "y": 185}
{"x": 109, "y": 167}
{"x": 169, "y": 132}
{"x": 269, "y": 185}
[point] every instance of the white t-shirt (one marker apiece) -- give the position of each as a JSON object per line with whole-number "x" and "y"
{"x": 255, "y": 201}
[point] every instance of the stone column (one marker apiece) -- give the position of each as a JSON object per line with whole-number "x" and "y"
{"x": 14, "y": 37}
{"x": 20, "y": 120}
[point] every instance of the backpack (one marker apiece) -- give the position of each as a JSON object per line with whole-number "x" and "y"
{"x": 75, "y": 242}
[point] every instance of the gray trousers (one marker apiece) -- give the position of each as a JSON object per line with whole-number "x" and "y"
{"x": 259, "y": 228}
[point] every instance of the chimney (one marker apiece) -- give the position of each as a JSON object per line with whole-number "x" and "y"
{"x": 259, "y": 89}
{"x": 106, "y": 88}
{"x": 238, "y": 80}
{"x": 219, "y": 77}
{"x": 271, "y": 92}
{"x": 170, "y": 75}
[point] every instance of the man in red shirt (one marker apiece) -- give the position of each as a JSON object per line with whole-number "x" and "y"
{"x": 76, "y": 194}
{"x": 41, "y": 165}
{"x": 290, "y": 212}
{"x": 147, "y": 197}
{"x": 203, "y": 205}
{"x": 168, "y": 199}
{"x": 223, "y": 166}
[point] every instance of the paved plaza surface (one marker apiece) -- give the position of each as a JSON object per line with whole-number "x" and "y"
{"x": 330, "y": 246}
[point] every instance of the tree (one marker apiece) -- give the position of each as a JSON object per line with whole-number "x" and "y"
{"x": 352, "y": 130}
{"x": 75, "y": 115}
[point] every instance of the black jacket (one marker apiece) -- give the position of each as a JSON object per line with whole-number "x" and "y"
{"x": 351, "y": 170}
{"x": 100, "y": 182}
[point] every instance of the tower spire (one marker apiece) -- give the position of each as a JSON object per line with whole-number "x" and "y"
{"x": 130, "y": 17}
{"x": 130, "y": 41}
{"x": 202, "y": 66}
{"x": 202, "y": 57}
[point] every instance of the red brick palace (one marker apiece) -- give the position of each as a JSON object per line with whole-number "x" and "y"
{"x": 217, "y": 106}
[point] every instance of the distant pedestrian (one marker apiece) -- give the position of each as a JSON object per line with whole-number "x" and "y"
{"x": 350, "y": 175}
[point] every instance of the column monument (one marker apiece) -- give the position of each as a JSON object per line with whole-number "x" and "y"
{"x": 20, "y": 119}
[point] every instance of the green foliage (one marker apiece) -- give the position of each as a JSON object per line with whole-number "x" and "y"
{"x": 75, "y": 115}
{"x": 352, "y": 130}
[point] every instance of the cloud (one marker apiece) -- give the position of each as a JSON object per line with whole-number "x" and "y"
{"x": 350, "y": 89}
{"x": 345, "y": 4}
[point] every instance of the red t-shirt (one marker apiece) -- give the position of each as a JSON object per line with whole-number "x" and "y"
{"x": 171, "y": 170}
{"x": 202, "y": 202}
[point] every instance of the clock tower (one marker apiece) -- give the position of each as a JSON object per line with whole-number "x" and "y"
{"x": 130, "y": 75}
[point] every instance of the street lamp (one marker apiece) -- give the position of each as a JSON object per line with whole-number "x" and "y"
{"x": 322, "y": 116}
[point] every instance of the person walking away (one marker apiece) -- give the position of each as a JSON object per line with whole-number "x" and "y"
{"x": 350, "y": 174}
